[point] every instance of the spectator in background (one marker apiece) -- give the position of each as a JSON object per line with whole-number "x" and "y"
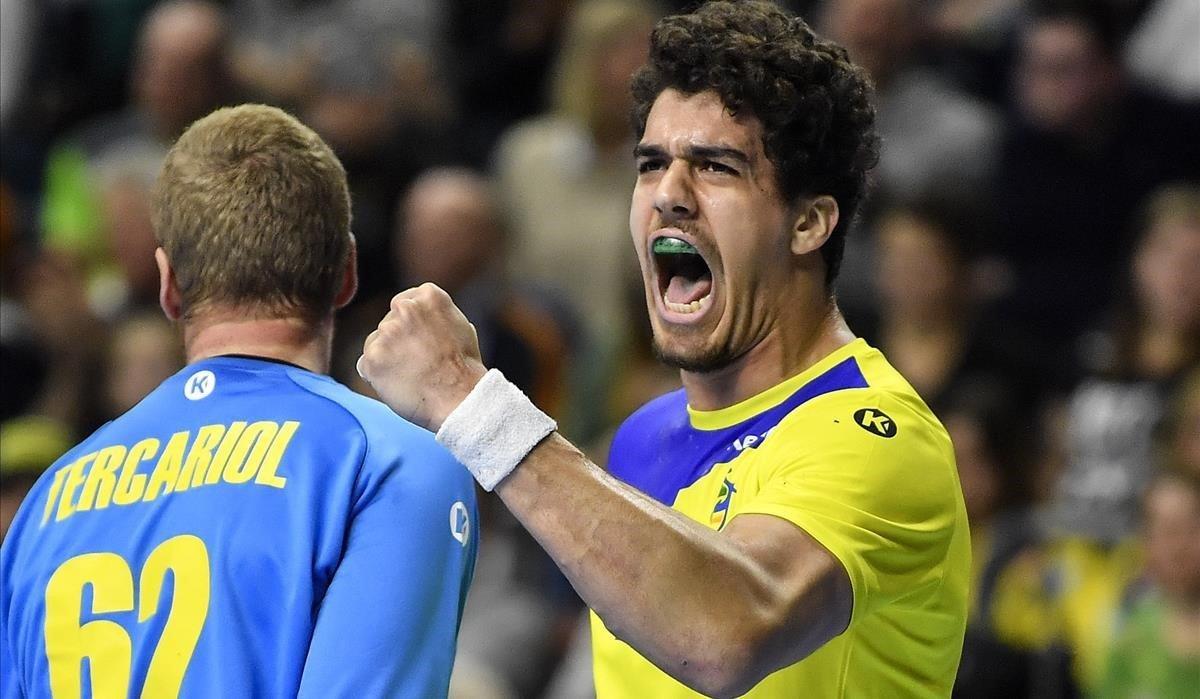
{"x": 28, "y": 445}
{"x": 50, "y": 340}
{"x": 178, "y": 76}
{"x": 937, "y": 140}
{"x": 387, "y": 124}
{"x": 928, "y": 321}
{"x": 1157, "y": 652}
{"x": 1132, "y": 365}
{"x": 68, "y": 337}
{"x": 1182, "y": 443}
{"x": 450, "y": 231}
{"x": 144, "y": 350}
{"x": 21, "y": 363}
{"x": 1107, "y": 435}
{"x": 1011, "y": 629}
{"x": 277, "y": 47}
{"x": 503, "y": 51}
{"x": 1086, "y": 150}
{"x": 566, "y": 178}
{"x": 62, "y": 62}
{"x": 1163, "y": 51}
{"x": 128, "y": 280}
{"x": 972, "y": 43}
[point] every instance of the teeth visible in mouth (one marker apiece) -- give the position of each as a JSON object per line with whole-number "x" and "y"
{"x": 674, "y": 246}
{"x": 685, "y": 308}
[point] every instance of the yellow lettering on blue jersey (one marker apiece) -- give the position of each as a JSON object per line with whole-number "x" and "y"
{"x": 249, "y": 452}
{"x": 242, "y": 453}
{"x": 200, "y": 455}
{"x": 218, "y": 463}
{"x": 74, "y": 480}
{"x": 102, "y": 479}
{"x": 266, "y": 473}
{"x": 52, "y": 498}
{"x": 166, "y": 471}
{"x": 132, "y": 485}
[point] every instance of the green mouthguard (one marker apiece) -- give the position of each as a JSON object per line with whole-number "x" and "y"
{"x": 674, "y": 246}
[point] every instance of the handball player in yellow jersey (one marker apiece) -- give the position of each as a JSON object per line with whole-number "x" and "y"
{"x": 790, "y": 523}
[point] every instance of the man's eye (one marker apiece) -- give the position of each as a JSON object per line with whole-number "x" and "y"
{"x": 713, "y": 166}
{"x": 648, "y": 165}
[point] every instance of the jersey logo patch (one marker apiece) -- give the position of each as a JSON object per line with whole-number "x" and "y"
{"x": 720, "y": 511}
{"x": 460, "y": 522}
{"x": 200, "y": 385}
{"x": 876, "y": 422}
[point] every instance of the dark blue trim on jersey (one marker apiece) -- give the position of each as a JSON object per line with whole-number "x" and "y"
{"x": 261, "y": 358}
{"x": 658, "y": 451}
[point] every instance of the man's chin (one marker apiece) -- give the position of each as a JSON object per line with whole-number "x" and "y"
{"x": 700, "y": 361}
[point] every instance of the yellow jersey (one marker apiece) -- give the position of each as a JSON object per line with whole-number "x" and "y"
{"x": 848, "y": 452}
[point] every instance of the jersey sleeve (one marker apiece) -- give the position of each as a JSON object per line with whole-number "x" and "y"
{"x": 10, "y": 676}
{"x": 885, "y": 505}
{"x": 389, "y": 621}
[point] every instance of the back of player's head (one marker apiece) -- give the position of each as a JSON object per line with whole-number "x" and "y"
{"x": 253, "y": 211}
{"x": 814, "y": 104}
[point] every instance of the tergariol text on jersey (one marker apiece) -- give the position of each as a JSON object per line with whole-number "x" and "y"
{"x": 235, "y": 453}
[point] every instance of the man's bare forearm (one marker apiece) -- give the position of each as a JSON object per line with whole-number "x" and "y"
{"x": 690, "y": 600}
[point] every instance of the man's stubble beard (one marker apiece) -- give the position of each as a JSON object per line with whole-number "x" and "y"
{"x": 710, "y": 360}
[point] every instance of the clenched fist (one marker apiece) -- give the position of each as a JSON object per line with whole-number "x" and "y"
{"x": 423, "y": 359}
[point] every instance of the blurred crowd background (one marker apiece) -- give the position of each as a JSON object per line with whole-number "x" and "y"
{"x": 1029, "y": 259}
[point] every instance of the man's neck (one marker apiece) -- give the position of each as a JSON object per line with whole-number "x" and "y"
{"x": 298, "y": 341}
{"x": 788, "y": 349}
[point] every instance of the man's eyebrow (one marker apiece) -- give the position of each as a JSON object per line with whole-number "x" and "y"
{"x": 716, "y": 153}
{"x": 643, "y": 150}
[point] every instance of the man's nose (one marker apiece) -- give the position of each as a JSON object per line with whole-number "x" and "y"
{"x": 674, "y": 199}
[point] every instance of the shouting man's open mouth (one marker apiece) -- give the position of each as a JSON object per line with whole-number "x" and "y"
{"x": 685, "y": 281}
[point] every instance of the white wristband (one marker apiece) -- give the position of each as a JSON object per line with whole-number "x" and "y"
{"x": 493, "y": 429}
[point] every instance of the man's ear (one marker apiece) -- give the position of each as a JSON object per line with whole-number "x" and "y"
{"x": 349, "y": 276}
{"x": 169, "y": 297}
{"x": 815, "y": 223}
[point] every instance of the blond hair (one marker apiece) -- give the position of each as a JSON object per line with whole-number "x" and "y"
{"x": 592, "y": 26}
{"x": 253, "y": 211}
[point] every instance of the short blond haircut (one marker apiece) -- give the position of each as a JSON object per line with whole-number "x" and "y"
{"x": 253, "y": 211}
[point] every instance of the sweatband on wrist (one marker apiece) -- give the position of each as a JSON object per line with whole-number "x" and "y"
{"x": 493, "y": 429}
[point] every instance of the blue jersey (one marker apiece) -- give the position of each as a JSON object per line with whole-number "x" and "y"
{"x": 250, "y": 529}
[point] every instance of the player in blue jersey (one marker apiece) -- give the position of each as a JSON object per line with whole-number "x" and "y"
{"x": 252, "y": 528}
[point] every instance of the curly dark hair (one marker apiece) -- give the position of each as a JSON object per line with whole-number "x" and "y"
{"x": 815, "y": 106}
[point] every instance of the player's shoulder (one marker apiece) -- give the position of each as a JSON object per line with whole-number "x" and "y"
{"x": 880, "y": 442}
{"x": 880, "y": 402}
{"x": 877, "y": 431}
{"x": 370, "y": 413}
{"x": 380, "y": 425}
{"x": 659, "y": 419}
{"x": 396, "y": 452}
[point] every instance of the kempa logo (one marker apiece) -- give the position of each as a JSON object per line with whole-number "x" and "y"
{"x": 876, "y": 421}
{"x": 200, "y": 385}
{"x": 460, "y": 522}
